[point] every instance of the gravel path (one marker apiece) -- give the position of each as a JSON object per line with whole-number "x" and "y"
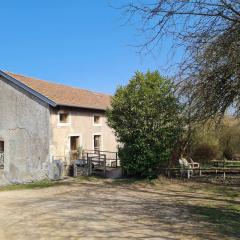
{"x": 107, "y": 210}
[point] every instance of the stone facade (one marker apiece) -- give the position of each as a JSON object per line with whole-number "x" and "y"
{"x": 24, "y": 129}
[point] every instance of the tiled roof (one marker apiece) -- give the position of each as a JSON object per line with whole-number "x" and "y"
{"x": 65, "y": 95}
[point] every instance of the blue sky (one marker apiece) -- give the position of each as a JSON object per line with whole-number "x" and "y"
{"x": 75, "y": 42}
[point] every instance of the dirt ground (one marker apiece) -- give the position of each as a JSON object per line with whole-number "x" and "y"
{"x": 104, "y": 209}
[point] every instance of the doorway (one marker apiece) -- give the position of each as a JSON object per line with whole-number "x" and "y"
{"x": 97, "y": 142}
{"x": 74, "y": 147}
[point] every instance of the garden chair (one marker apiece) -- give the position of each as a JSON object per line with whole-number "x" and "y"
{"x": 194, "y": 165}
{"x": 185, "y": 167}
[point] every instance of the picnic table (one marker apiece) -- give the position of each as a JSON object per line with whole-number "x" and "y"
{"x": 201, "y": 171}
{"x": 223, "y": 163}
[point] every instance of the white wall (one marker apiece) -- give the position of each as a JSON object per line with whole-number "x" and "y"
{"x": 82, "y": 125}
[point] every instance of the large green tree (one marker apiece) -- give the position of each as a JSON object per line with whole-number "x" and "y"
{"x": 146, "y": 118}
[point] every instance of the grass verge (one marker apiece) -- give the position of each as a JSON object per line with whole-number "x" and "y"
{"x": 33, "y": 185}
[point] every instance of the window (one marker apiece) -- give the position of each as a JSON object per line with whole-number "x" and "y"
{"x": 64, "y": 118}
{"x": 97, "y": 120}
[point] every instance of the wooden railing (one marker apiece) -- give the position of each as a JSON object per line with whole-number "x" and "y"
{"x": 91, "y": 161}
{"x": 111, "y": 158}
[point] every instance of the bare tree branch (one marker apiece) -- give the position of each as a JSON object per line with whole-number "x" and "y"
{"x": 209, "y": 32}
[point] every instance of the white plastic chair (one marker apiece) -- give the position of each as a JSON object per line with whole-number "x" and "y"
{"x": 194, "y": 164}
{"x": 185, "y": 167}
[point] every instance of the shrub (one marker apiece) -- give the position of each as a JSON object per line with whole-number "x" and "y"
{"x": 146, "y": 118}
{"x": 204, "y": 152}
{"x": 230, "y": 141}
{"x": 228, "y": 153}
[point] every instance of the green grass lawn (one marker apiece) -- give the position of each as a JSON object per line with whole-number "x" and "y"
{"x": 34, "y": 185}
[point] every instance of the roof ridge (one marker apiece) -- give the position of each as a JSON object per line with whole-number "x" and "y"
{"x": 60, "y": 94}
{"x": 28, "y": 89}
{"x": 54, "y": 83}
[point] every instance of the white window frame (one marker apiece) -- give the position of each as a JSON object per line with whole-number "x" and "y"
{"x": 100, "y": 120}
{"x": 69, "y": 119}
{"x": 101, "y": 140}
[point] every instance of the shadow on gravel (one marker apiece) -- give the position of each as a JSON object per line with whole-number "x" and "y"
{"x": 226, "y": 221}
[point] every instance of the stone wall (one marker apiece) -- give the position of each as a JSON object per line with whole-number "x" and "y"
{"x": 24, "y": 128}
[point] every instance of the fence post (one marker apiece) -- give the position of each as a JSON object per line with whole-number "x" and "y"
{"x": 104, "y": 165}
{"x": 74, "y": 170}
{"x": 99, "y": 160}
{"x": 89, "y": 165}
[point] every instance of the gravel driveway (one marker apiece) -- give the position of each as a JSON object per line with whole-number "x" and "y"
{"x": 99, "y": 209}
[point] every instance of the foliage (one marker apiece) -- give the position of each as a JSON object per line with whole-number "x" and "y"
{"x": 204, "y": 152}
{"x": 145, "y": 115}
{"x": 228, "y": 153}
{"x": 229, "y": 139}
{"x": 209, "y": 139}
{"x": 209, "y": 34}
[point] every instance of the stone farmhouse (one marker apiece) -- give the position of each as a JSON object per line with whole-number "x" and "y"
{"x": 40, "y": 121}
